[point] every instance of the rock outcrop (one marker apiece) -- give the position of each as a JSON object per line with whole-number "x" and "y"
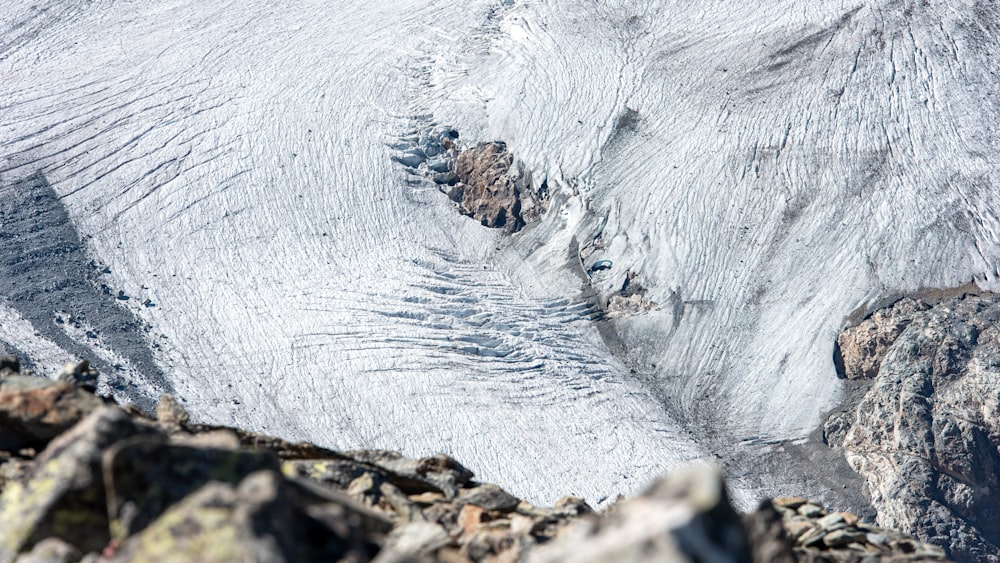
{"x": 926, "y": 435}
{"x": 118, "y": 486}
{"x": 488, "y": 189}
{"x": 485, "y": 181}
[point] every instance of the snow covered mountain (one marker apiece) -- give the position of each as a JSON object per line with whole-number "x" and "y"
{"x": 220, "y": 176}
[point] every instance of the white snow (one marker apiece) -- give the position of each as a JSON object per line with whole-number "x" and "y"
{"x": 766, "y": 169}
{"x": 47, "y": 355}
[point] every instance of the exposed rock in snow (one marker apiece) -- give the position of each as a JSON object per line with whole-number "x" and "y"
{"x": 926, "y": 436}
{"x": 489, "y": 190}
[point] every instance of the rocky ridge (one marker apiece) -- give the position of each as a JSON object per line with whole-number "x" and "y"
{"x": 925, "y": 434}
{"x": 84, "y": 479}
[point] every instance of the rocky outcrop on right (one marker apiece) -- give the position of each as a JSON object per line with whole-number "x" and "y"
{"x": 926, "y": 434}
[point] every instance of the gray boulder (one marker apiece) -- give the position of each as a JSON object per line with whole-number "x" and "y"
{"x": 926, "y": 435}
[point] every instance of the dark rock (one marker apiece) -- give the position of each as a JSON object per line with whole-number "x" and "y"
{"x": 436, "y": 473}
{"x": 844, "y": 537}
{"x": 490, "y": 497}
{"x": 9, "y": 365}
{"x": 767, "y": 537}
{"x": 79, "y": 374}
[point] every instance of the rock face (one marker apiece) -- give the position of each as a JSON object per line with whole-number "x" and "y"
{"x": 486, "y": 181}
{"x": 487, "y": 190}
{"x": 926, "y": 435}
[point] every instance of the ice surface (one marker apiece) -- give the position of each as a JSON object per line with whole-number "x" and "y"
{"x": 765, "y": 169}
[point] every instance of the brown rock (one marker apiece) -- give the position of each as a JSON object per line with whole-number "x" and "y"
{"x": 860, "y": 349}
{"x": 789, "y": 502}
{"x": 33, "y": 410}
{"x": 469, "y": 518}
{"x": 486, "y": 189}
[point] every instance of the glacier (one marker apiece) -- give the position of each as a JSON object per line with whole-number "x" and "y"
{"x": 764, "y": 170}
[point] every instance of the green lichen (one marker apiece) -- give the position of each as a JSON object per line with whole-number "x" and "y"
{"x": 204, "y": 534}
{"x": 23, "y": 506}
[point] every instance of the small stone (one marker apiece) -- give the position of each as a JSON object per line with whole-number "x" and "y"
{"x": 407, "y": 510}
{"x": 490, "y": 497}
{"x": 429, "y": 497}
{"x": 843, "y": 537}
{"x": 573, "y": 505}
{"x": 850, "y": 519}
{"x": 789, "y": 502}
{"x": 170, "y": 411}
{"x": 796, "y": 528}
{"x": 877, "y": 539}
{"x": 811, "y": 537}
{"x": 79, "y": 374}
{"x": 416, "y": 539}
{"x": 831, "y": 522}
{"x": 9, "y": 365}
{"x": 469, "y": 518}
{"x": 51, "y": 550}
{"x": 810, "y": 510}
{"x": 786, "y": 512}
{"x": 361, "y": 487}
